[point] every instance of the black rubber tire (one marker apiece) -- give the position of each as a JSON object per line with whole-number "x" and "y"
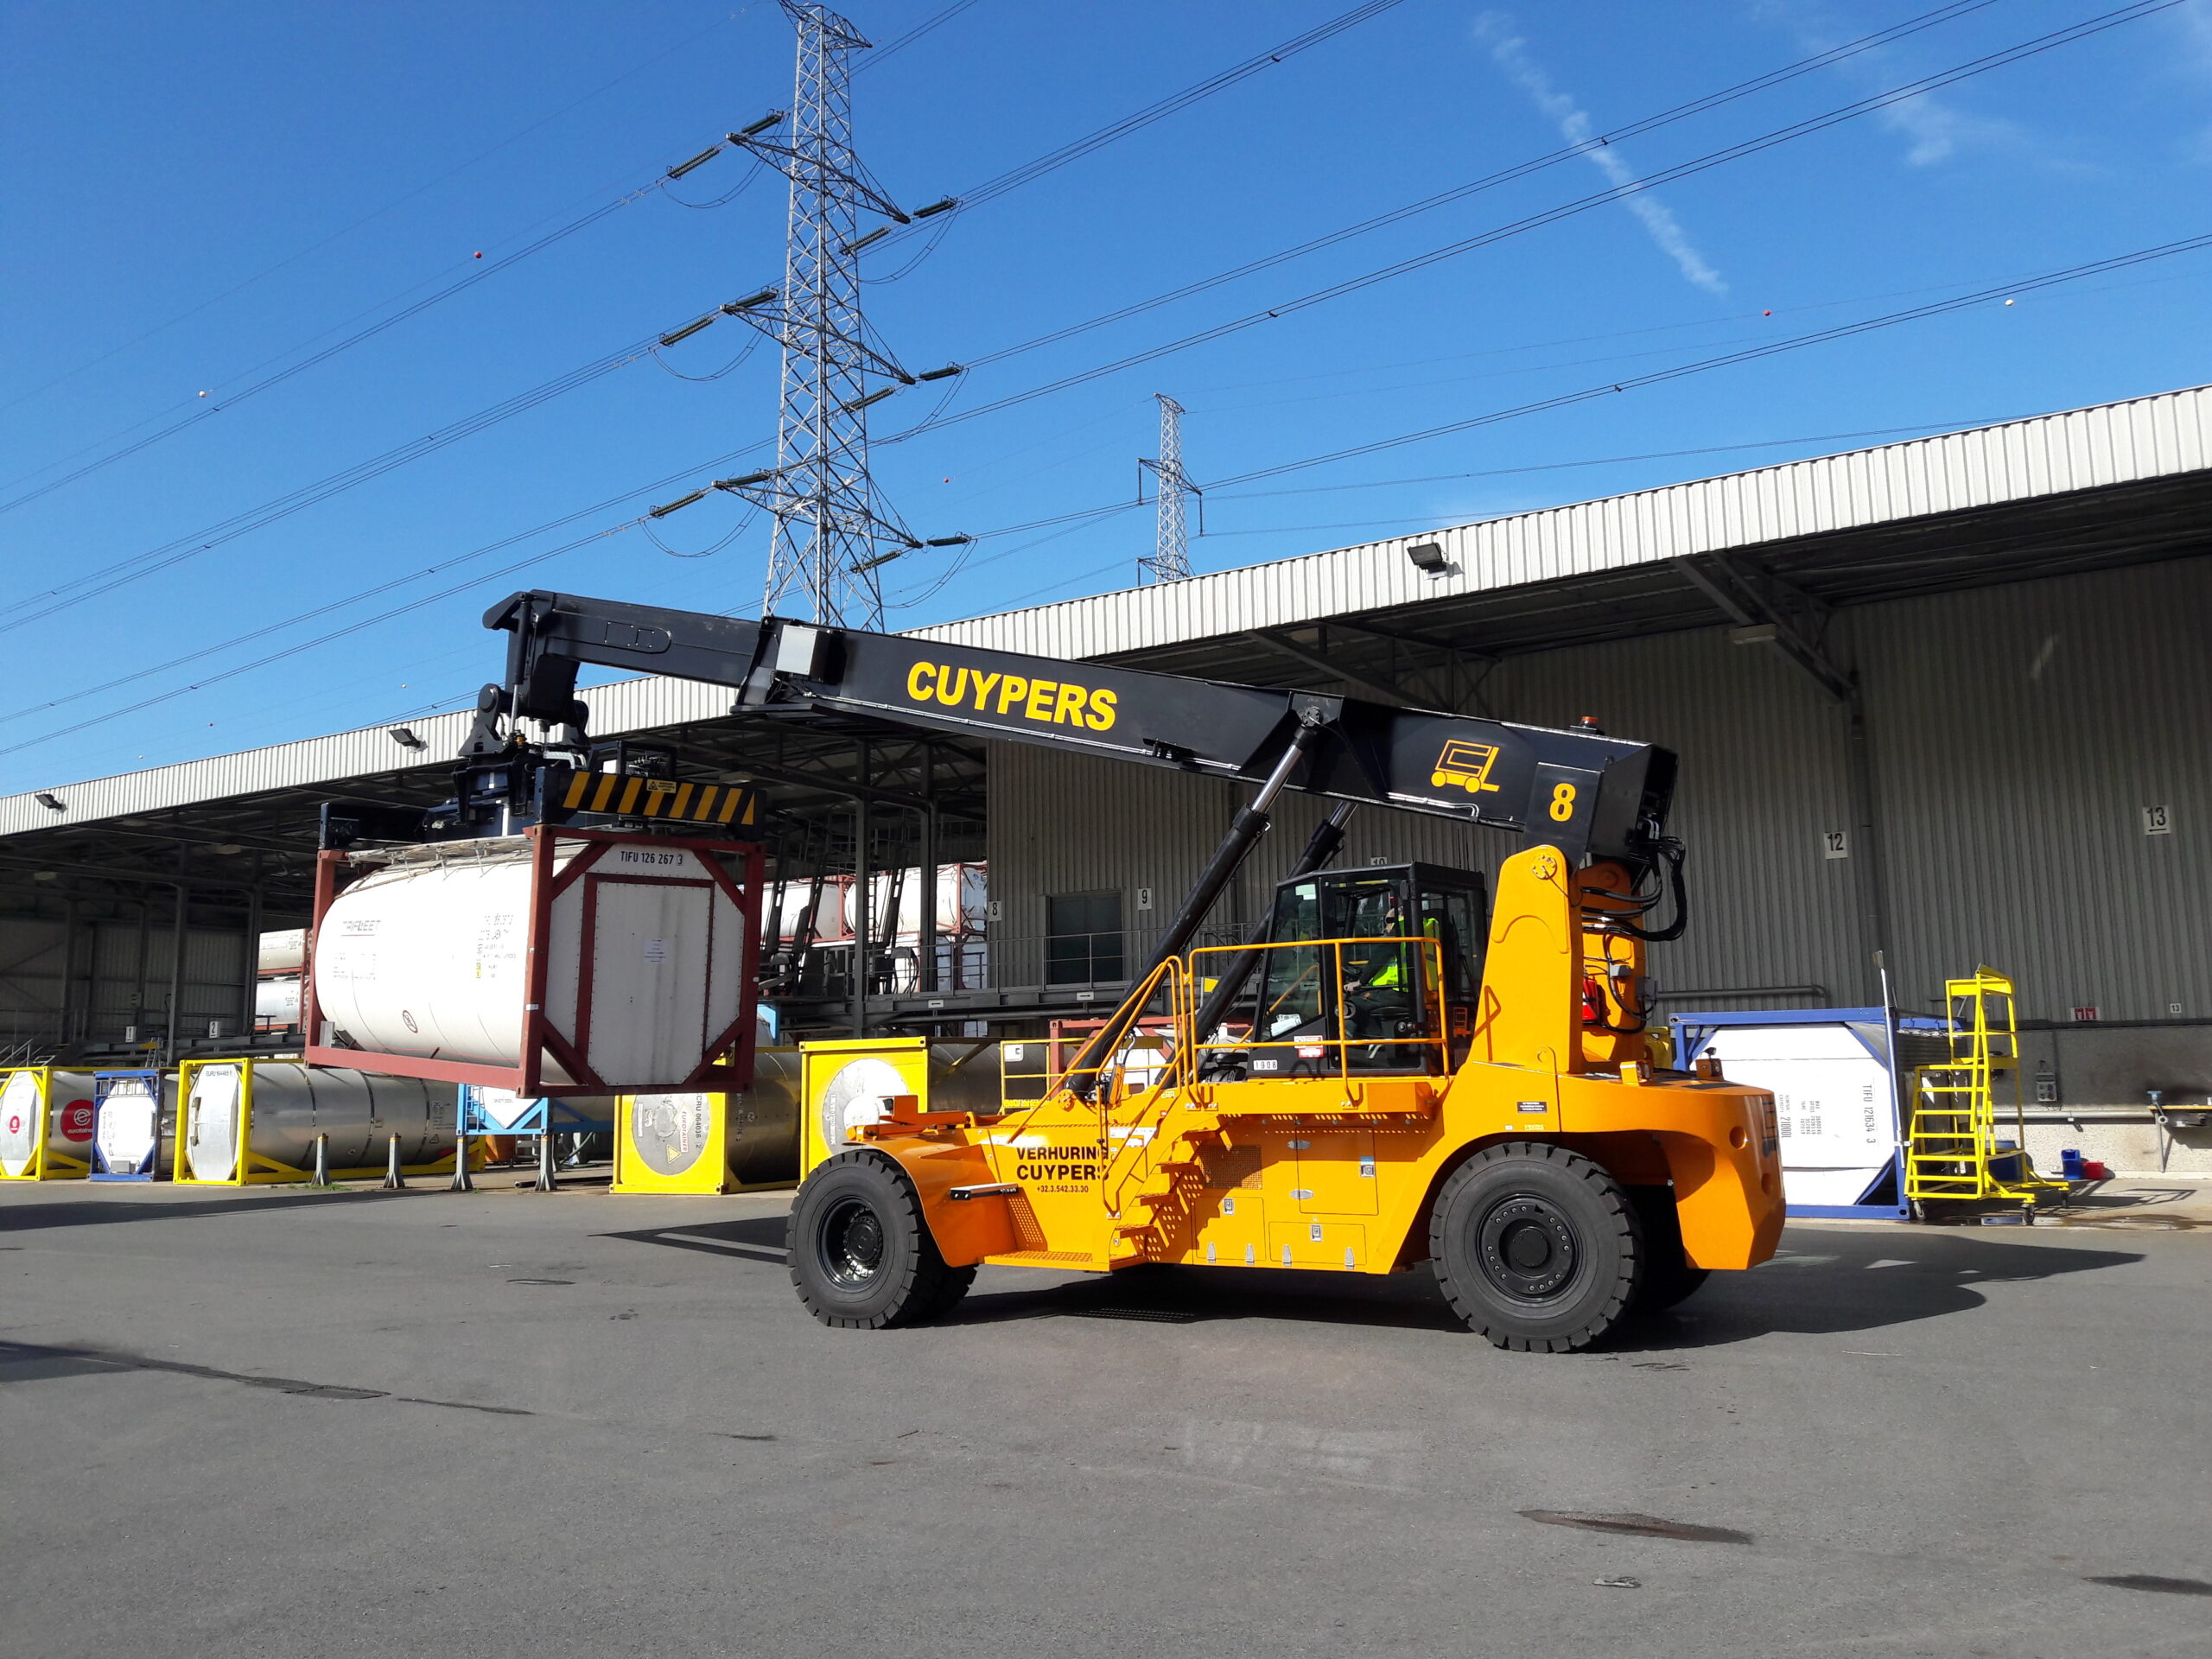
{"x": 949, "y": 1294}
{"x": 1536, "y": 1247}
{"x": 1668, "y": 1278}
{"x": 862, "y": 1256}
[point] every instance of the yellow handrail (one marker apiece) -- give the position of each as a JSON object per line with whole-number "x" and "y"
{"x": 1431, "y": 981}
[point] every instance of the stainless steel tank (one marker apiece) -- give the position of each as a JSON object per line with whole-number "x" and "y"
{"x": 292, "y": 1104}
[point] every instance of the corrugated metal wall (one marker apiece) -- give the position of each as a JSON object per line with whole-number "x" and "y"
{"x": 2019, "y": 733}
{"x": 107, "y": 978}
{"x": 1762, "y": 753}
{"x": 2016, "y": 735}
{"x": 1064, "y": 824}
{"x": 1763, "y": 775}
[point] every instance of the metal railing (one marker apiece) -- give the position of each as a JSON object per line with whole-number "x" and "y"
{"x": 1422, "y": 986}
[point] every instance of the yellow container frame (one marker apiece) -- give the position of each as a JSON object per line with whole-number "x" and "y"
{"x": 249, "y": 1168}
{"x": 710, "y": 1174}
{"x": 908, "y": 1055}
{"x": 73, "y": 1169}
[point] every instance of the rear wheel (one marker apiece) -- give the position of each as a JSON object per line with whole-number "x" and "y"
{"x": 1536, "y": 1247}
{"x": 1668, "y": 1278}
{"x": 862, "y": 1256}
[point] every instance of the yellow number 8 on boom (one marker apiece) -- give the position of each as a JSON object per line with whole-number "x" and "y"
{"x": 1562, "y": 806}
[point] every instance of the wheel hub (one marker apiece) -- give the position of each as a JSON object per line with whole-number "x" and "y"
{"x": 1527, "y": 1247}
{"x": 852, "y": 1245}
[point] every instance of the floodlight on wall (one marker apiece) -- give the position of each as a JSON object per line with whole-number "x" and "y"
{"x": 1428, "y": 556}
{"x": 226, "y": 849}
{"x": 51, "y": 803}
{"x": 405, "y": 737}
{"x": 46, "y": 875}
{"x": 1756, "y": 633}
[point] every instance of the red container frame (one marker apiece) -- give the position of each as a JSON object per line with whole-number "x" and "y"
{"x": 539, "y": 1039}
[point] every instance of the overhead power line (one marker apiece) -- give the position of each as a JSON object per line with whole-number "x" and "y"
{"x": 122, "y": 572}
{"x": 1748, "y": 355}
{"x": 1503, "y": 177}
{"x": 990, "y": 189}
{"x": 383, "y": 587}
{"x": 205, "y": 407}
{"x": 1983, "y": 65}
{"x": 1222, "y": 488}
{"x": 1067, "y": 522}
{"x": 348, "y": 228}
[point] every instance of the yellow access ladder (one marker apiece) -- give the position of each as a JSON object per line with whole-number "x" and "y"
{"x": 1951, "y": 1150}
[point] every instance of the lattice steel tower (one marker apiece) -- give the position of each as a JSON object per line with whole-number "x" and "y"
{"x": 832, "y": 527}
{"x": 1171, "y": 550}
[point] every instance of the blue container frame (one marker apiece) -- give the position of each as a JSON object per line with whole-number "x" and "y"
{"x": 149, "y": 1170}
{"x": 1884, "y": 1199}
{"x": 547, "y": 1114}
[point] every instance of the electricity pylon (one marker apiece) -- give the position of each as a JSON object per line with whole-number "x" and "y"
{"x": 833, "y": 530}
{"x": 1170, "y": 548}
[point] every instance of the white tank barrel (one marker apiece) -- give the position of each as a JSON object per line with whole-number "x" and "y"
{"x": 62, "y": 1100}
{"x": 292, "y": 1104}
{"x": 276, "y": 1000}
{"x": 961, "y": 902}
{"x": 828, "y": 910}
{"x": 642, "y": 949}
{"x": 283, "y": 952}
{"x": 427, "y": 959}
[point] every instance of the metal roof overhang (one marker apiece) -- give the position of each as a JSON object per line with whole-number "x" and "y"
{"x": 2089, "y": 489}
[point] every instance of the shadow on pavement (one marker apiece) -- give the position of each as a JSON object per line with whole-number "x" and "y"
{"x": 1823, "y": 1284}
{"x": 35, "y": 1217}
{"x": 757, "y": 1238}
{"x": 1826, "y": 1282}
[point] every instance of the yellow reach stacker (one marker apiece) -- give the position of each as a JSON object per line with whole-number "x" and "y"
{"x": 1392, "y": 1069}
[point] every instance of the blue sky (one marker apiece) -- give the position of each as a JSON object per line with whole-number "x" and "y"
{"x": 198, "y": 197}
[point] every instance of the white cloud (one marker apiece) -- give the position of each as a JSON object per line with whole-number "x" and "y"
{"x": 1511, "y": 54}
{"x": 1935, "y": 130}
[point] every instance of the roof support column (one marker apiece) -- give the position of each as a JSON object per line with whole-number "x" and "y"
{"x": 1869, "y": 888}
{"x": 926, "y": 977}
{"x": 863, "y": 899}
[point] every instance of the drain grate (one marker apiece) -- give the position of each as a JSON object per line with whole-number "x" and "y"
{"x": 1150, "y": 1315}
{"x": 1639, "y": 1526}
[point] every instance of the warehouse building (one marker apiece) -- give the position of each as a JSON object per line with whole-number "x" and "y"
{"x": 1938, "y": 703}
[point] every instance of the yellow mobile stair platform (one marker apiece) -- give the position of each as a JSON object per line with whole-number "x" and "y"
{"x": 1952, "y": 1156}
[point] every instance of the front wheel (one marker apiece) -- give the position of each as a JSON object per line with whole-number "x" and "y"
{"x": 1536, "y": 1247}
{"x": 862, "y": 1256}
{"x": 1668, "y": 1278}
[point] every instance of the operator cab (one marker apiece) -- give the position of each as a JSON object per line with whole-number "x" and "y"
{"x": 1370, "y": 971}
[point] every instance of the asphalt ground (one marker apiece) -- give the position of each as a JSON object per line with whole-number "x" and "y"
{"x": 285, "y": 1422}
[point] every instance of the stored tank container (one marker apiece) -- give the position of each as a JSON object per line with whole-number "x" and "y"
{"x": 670, "y": 1134}
{"x": 828, "y": 910}
{"x": 962, "y": 901}
{"x": 277, "y": 1001}
{"x": 283, "y": 952}
{"x": 46, "y": 1123}
{"x": 288, "y": 1105}
{"x": 134, "y": 1125}
{"x": 645, "y": 949}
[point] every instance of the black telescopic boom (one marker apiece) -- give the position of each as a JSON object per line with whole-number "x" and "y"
{"x": 1244, "y": 832}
